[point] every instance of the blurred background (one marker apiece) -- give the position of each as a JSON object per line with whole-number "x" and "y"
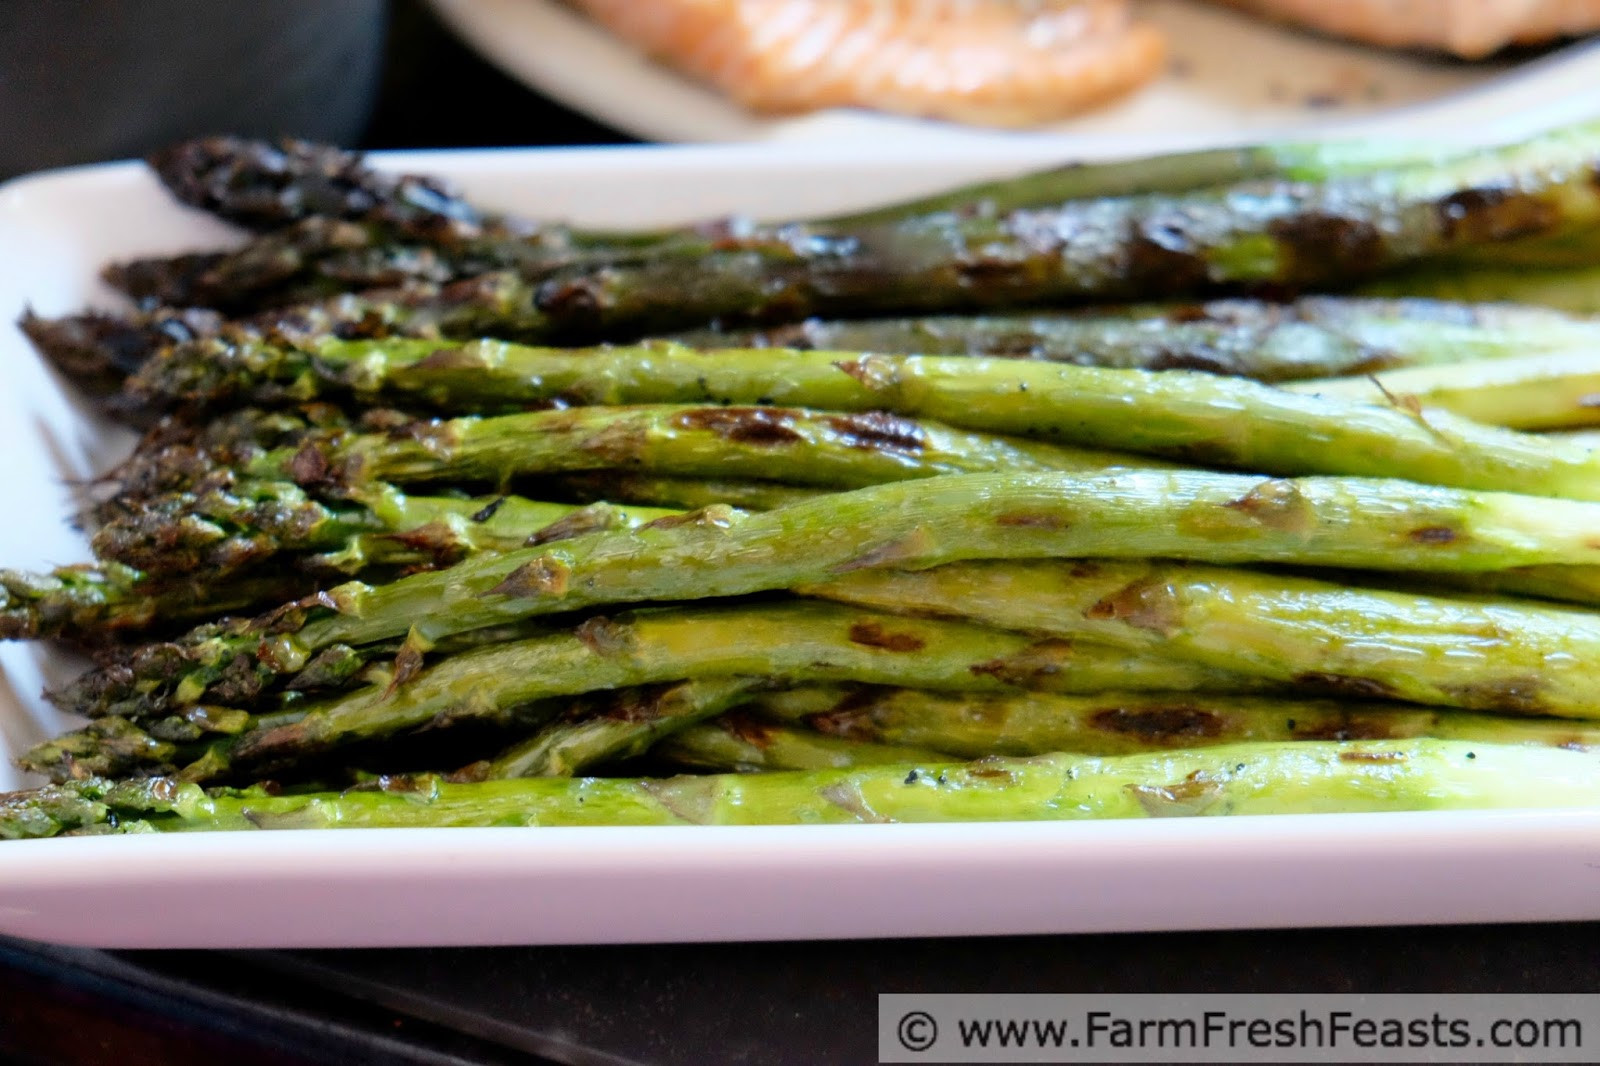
{"x": 92, "y": 80}
{"x": 89, "y": 80}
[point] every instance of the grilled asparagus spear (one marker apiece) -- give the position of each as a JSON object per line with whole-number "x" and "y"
{"x": 805, "y": 641}
{"x": 265, "y": 185}
{"x": 1176, "y": 172}
{"x": 1298, "y": 235}
{"x": 1365, "y": 642}
{"x": 621, "y": 725}
{"x": 1314, "y": 337}
{"x": 739, "y": 743}
{"x": 687, "y": 494}
{"x": 97, "y": 350}
{"x": 1575, "y": 289}
{"x": 1577, "y": 249}
{"x": 846, "y": 450}
{"x": 194, "y": 548}
{"x": 744, "y": 742}
{"x": 971, "y": 725}
{"x": 1383, "y": 525}
{"x": 1535, "y": 392}
{"x": 1181, "y": 415}
{"x": 1505, "y": 657}
{"x": 340, "y": 205}
{"x": 327, "y": 218}
{"x": 1306, "y": 234}
{"x": 1299, "y": 778}
{"x": 94, "y": 603}
{"x": 178, "y": 454}
{"x": 317, "y": 259}
{"x": 240, "y": 525}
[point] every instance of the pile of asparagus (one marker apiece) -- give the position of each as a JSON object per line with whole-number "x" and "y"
{"x": 442, "y": 517}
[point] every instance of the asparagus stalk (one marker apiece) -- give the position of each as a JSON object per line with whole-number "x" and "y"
{"x": 308, "y": 261}
{"x": 686, "y": 494}
{"x": 318, "y": 260}
{"x": 93, "y": 604}
{"x": 1302, "y": 235}
{"x": 1299, "y": 235}
{"x": 225, "y": 529}
{"x": 1302, "y": 778}
{"x": 1536, "y": 392}
{"x": 623, "y": 725}
{"x": 1580, "y": 248}
{"x": 1181, "y": 415}
{"x": 738, "y": 743}
{"x": 115, "y": 747}
{"x": 497, "y": 273}
{"x": 330, "y": 221}
{"x": 178, "y": 455}
{"x": 194, "y": 561}
{"x": 1566, "y": 584}
{"x": 799, "y": 640}
{"x": 333, "y": 219}
{"x": 96, "y": 351}
{"x": 850, "y": 450}
{"x": 1314, "y": 337}
{"x": 1503, "y": 657}
{"x": 99, "y": 350}
{"x": 106, "y": 748}
{"x": 265, "y": 185}
{"x": 972, "y": 725}
{"x": 1172, "y": 173}
{"x": 1575, "y": 290}
{"x": 273, "y": 185}
{"x": 1220, "y": 518}
{"x": 805, "y": 641}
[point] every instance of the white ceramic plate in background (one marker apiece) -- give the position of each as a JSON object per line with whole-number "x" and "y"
{"x": 1231, "y": 77}
{"x": 556, "y": 885}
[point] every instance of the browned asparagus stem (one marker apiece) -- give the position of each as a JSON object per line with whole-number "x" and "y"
{"x": 264, "y": 185}
{"x": 1300, "y": 235}
{"x": 97, "y": 350}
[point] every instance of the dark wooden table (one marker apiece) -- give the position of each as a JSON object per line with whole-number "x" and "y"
{"x": 686, "y": 1005}
{"x": 738, "y": 1003}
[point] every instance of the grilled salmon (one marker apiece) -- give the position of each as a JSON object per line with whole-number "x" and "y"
{"x": 1468, "y": 28}
{"x": 993, "y": 62}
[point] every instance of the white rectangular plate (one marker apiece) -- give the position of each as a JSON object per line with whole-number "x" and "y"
{"x": 494, "y": 886}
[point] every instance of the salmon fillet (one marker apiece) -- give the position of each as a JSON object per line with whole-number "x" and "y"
{"x": 991, "y": 62}
{"x": 1468, "y": 28}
